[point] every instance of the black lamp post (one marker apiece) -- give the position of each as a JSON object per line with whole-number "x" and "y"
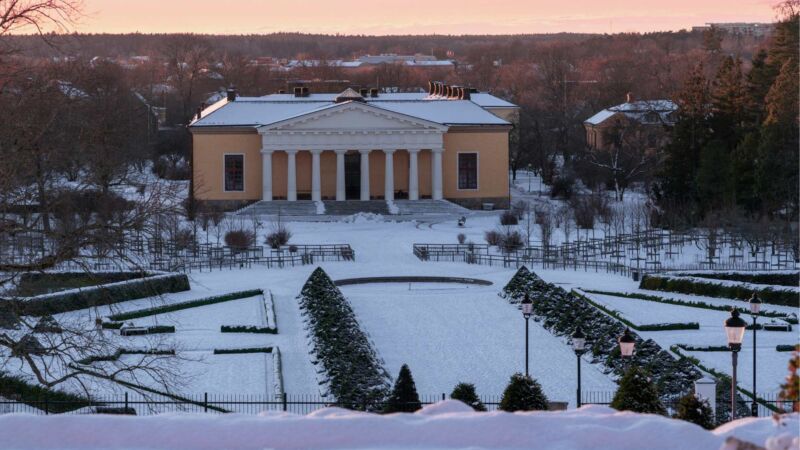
{"x": 579, "y": 345}
{"x": 755, "y": 308}
{"x": 527, "y": 311}
{"x": 734, "y": 331}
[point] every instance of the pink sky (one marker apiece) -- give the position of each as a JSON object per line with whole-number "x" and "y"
{"x": 414, "y": 16}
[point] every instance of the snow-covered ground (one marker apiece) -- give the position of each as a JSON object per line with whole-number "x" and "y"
{"x": 445, "y": 425}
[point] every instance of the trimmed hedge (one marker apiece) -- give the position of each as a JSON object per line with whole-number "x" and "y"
{"x": 246, "y": 329}
{"x": 645, "y": 327}
{"x": 16, "y": 389}
{"x": 671, "y": 301}
{"x": 185, "y": 305}
{"x": 354, "y": 374}
{"x": 232, "y": 351}
{"x": 786, "y": 348}
{"x": 742, "y": 292}
{"x": 780, "y": 279}
{"x": 104, "y": 294}
{"x": 123, "y": 351}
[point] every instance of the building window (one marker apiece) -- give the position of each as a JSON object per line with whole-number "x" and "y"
{"x": 468, "y": 171}
{"x": 234, "y": 172}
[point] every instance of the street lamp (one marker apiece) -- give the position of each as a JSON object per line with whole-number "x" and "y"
{"x": 527, "y": 311}
{"x": 755, "y": 308}
{"x": 734, "y": 331}
{"x": 579, "y": 345}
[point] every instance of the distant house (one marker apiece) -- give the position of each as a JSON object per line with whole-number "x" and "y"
{"x": 653, "y": 117}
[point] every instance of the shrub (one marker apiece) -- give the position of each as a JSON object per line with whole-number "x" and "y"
{"x": 784, "y": 297}
{"x": 184, "y": 239}
{"x": 239, "y": 239}
{"x": 562, "y": 188}
{"x": 780, "y": 279}
{"x": 278, "y": 237}
{"x": 461, "y": 237}
{"x": 508, "y": 218}
{"x": 512, "y": 241}
{"x": 246, "y": 329}
{"x": 695, "y": 410}
{"x": 519, "y": 209}
{"x": 584, "y": 213}
{"x": 185, "y": 305}
{"x": 493, "y": 237}
{"x": 523, "y": 393}
{"x": 637, "y": 393}
{"x": 465, "y": 392}
{"x": 404, "y": 397}
{"x": 232, "y": 351}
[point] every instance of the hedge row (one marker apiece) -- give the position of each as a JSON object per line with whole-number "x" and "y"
{"x": 352, "y": 370}
{"x": 561, "y": 313}
{"x": 104, "y": 294}
{"x": 791, "y": 318}
{"x": 777, "y": 278}
{"x": 646, "y": 327}
{"x": 247, "y": 329}
{"x": 784, "y": 297}
{"x": 16, "y": 389}
{"x": 123, "y": 351}
{"x": 231, "y": 351}
{"x": 185, "y": 305}
{"x": 787, "y": 348}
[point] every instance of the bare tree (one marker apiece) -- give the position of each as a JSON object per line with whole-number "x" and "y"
{"x": 38, "y": 16}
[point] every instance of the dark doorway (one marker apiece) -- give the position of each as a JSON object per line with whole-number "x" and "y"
{"x": 352, "y": 176}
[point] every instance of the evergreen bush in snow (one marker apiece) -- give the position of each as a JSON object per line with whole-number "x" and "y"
{"x": 404, "y": 397}
{"x": 776, "y": 295}
{"x": 465, "y": 392}
{"x": 695, "y": 410}
{"x": 637, "y": 393}
{"x": 350, "y": 367}
{"x": 523, "y": 393}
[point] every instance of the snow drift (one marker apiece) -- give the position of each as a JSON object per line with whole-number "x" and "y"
{"x": 445, "y": 425}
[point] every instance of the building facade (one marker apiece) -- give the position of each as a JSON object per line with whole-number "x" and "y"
{"x": 448, "y": 143}
{"x": 653, "y": 119}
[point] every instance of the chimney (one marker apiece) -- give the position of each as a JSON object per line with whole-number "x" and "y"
{"x": 446, "y": 90}
{"x": 431, "y": 88}
{"x": 306, "y": 92}
{"x": 465, "y": 93}
{"x": 373, "y": 92}
{"x": 232, "y": 93}
{"x": 363, "y": 92}
{"x": 629, "y": 98}
{"x": 455, "y": 92}
{"x": 298, "y": 91}
{"x": 199, "y": 113}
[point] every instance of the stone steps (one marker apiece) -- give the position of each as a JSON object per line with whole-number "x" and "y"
{"x": 409, "y": 207}
{"x": 282, "y": 207}
{"x": 349, "y": 207}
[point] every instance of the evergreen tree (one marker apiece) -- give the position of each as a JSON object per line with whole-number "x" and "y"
{"x": 637, "y": 393}
{"x": 404, "y": 397}
{"x": 695, "y": 410}
{"x": 466, "y": 393}
{"x": 523, "y": 393}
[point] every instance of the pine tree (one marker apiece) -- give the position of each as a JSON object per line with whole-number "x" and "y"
{"x": 695, "y": 410}
{"x": 466, "y": 393}
{"x": 404, "y": 397}
{"x": 523, "y": 393}
{"x": 637, "y": 393}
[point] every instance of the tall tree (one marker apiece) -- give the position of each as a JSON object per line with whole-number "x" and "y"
{"x": 404, "y": 397}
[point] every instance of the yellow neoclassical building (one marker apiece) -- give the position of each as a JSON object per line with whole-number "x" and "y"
{"x": 448, "y": 143}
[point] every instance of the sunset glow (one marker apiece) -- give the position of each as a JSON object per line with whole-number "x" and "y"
{"x": 414, "y": 16}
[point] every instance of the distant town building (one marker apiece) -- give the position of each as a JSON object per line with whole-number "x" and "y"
{"x": 653, "y": 117}
{"x": 739, "y": 28}
{"x": 418, "y": 60}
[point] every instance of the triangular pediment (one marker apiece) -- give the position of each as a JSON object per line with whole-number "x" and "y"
{"x": 353, "y": 116}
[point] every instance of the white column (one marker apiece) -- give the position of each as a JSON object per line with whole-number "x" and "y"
{"x": 266, "y": 175}
{"x": 388, "y": 176}
{"x": 291, "y": 176}
{"x": 340, "y": 193}
{"x": 364, "y": 174}
{"x": 413, "y": 178}
{"x": 316, "y": 190}
{"x": 436, "y": 171}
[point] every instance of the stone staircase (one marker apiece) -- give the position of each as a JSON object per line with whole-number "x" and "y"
{"x": 282, "y": 207}
{"x": 348, "y": 207}
{"x": 423, "y": 207}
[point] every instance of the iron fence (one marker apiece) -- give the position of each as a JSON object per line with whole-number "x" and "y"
{"x": 768, "y": 403}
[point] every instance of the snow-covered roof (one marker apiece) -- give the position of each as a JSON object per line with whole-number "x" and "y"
{"x": 644, "y": 111}
{"x": 257, "y": 111}
{"x": 438, "y": 63}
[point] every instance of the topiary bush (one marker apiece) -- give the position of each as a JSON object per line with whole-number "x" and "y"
{"x": 465, "y": 392}
{"x": 523, "y": 393}
{"x": 637, "y": 393}
{"x": 695, "y": 410}
{"x": 404, "y": 397}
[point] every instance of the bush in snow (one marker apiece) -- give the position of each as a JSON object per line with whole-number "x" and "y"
{"x": 184, "y": 239}
{"x": 686, "y": 285}
{"x": 466, "y": 393}
{"x": 791, "y": 389}
{"x": 512, "y": 241}
{"x": 637, "y": 393}
{"x": 562, "y": 188}
{"x": 404, "y": 397}
{"x": 239, "y": 239}
{"x": 695, "y": 410}
{"x": 278, "y": 237}
{"x": 492, "y": 237}
{"x": 352, "y": 371}
{"x": 461, "y": 238}
{"x": 523, "y": 393}
{"x": 508, "y": 218}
